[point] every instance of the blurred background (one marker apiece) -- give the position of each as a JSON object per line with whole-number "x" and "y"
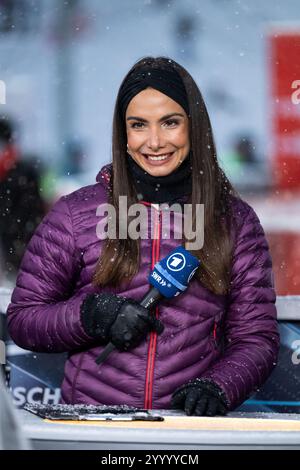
{"x": 61, "y": 63}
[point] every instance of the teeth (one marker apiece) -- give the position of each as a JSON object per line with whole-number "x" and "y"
{"x": 160, "y": 157}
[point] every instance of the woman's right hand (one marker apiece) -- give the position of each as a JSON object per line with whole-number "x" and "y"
{"x": 132, "y": 326}
{"x": 123, "y": 322}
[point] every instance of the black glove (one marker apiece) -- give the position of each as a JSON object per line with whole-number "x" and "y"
{"x": 200, "y": 398}
{"x": 124, "y": 322}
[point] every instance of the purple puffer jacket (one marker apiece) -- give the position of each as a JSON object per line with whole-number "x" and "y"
{"x": 231, "y": 340}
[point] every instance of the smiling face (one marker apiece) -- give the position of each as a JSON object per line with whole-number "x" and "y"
{"x": 157, "y": 132}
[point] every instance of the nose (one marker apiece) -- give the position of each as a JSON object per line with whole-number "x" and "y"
{"x": 155, "y": 139}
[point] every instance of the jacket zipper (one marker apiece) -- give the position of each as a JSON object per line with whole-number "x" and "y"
{"x": 215, "y": 334}
{"x": 153, "y": 335}
{"x": 75, "y": 379}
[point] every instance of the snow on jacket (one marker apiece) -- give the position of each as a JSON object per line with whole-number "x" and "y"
{"x": 230, "y": 339}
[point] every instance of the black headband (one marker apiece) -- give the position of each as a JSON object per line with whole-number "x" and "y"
{"x": 168, "y": 82}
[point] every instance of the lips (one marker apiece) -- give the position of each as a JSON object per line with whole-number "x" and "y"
{"x": 158, "y": 159}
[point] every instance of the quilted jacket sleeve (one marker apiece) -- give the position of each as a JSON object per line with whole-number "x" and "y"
{"x": 250, "y": 330}
{"x": 43, "y": 315}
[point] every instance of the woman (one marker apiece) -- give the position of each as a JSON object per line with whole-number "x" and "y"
{"x": 204, "y": 351}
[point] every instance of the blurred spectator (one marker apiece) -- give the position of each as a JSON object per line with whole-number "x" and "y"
{"x": 243, "y": 155}
{"x": 245, "y": 166}
{"x": 21, "y": 205}
{"x": 246, "y": 150}
{"x": 8, "y": 150}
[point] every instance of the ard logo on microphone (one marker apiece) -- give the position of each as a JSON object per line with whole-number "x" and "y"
{"x": 176, "y": 262}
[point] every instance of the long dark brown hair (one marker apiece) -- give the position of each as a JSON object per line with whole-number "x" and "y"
{"x": 210, "y": 187}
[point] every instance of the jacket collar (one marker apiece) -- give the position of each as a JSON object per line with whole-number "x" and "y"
{"x": 104, "y": 175}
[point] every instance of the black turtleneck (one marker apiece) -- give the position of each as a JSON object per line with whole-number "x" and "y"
{"x": 159, "y": 189}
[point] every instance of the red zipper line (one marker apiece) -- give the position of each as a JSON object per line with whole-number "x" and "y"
{"x": 215, "y": 331}
{"x": 215, "y": 334}
{"x": 153, "y": 335}
{"x": 150, "y": 340}
{"x": 157, "y": 315}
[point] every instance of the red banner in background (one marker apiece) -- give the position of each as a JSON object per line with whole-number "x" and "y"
{"x": 285, "y": 110}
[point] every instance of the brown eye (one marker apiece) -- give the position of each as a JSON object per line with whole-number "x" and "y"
{"x": 137, "y": 125}
{"x": 170, "y": 122}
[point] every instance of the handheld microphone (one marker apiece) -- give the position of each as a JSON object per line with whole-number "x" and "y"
{"x": 169, "y": 278}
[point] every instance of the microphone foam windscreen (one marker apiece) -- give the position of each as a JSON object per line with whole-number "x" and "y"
{"x": 172, "y": 274}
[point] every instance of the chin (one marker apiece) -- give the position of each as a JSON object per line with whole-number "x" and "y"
{"x": 160, "y": 171}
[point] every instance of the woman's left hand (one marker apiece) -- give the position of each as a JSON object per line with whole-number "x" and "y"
{"x": 200, "y": 399}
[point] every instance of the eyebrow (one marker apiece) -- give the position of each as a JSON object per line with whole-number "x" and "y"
{"x": 167, "y": 116}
